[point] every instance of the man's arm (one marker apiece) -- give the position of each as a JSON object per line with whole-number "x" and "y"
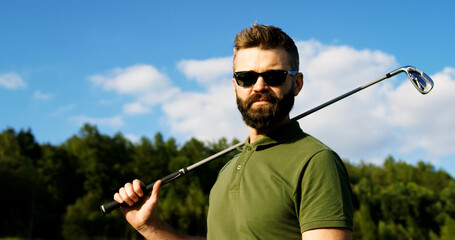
{"x": 140, "y": 212}
{"x": 327, "y": 234}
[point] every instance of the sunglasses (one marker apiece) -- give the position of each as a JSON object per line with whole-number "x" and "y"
{"x": 273, "y": 78}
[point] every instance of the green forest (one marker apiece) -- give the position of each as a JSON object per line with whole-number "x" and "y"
{"x": 54, "y": 192}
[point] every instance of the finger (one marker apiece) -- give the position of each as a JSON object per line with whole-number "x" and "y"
{"x": 118, "y": 198}
{"x": 137, "y": 187}
{"x": 152, "y": 199}
{"x": 125, "y": 197}
{"x": 156, "y": 190}
{"x": 130, "y": 192}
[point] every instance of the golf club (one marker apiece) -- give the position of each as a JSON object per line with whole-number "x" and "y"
{"x": 419, "y": 79}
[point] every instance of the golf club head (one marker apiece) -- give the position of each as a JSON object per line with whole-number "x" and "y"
{"x": 422, "y": 82}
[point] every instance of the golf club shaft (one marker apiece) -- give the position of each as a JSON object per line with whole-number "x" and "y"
{"x": 107, "y": 208}
{"x": 339, "y": 98}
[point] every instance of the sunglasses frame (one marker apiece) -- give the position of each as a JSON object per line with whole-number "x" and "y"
{"x": 268, "y": 81}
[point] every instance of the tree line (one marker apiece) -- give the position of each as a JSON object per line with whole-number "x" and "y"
{"x": 54, "y": 191}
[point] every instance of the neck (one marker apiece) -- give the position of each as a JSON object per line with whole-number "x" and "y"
{"x": 256, "y": 134}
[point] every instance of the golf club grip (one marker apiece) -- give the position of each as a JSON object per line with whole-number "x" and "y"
{"x": 109, "y": 207}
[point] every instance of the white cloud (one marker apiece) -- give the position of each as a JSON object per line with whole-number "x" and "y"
{"x": 339, "y": 67}
{"x": 355, "y": 126}
{"x": 143, "y": 82}
{"x": 113, "y": 122}
{"x": 134, "y": 79}
{"x": 135, "y": 108}
{"x": 41, "y": 96}
{"x": 206, "y": 116}
{"x": 429, "y": 120}
{"x": 133, "y": 138}
{"x": 206, "y": 71}
{"x": 12, "y": 81}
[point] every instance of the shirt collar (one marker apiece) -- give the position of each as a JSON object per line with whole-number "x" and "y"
{"x": 285, "y": 133}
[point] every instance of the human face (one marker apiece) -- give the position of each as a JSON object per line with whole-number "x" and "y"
{"x": 263, "y": 106}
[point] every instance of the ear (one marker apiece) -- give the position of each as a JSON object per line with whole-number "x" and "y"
{"x": 298, "y": 83}
{"x": 234, "y": 86}
{"x": 233, "y": 83}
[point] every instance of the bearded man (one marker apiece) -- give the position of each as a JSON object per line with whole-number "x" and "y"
{"x": 285, "y": 184}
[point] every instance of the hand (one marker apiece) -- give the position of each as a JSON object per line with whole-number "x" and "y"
{"x": 141, "y": 207}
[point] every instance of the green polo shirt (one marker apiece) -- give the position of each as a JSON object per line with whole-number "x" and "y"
{"x": 279, "y": 187}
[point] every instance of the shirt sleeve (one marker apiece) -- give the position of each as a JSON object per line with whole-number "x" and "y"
{"x": 326, "y": 196}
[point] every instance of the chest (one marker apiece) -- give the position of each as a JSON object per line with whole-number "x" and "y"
{"x": 256, "y": 194}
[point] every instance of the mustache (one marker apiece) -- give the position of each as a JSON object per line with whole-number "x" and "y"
{"x": 267, "y": 96}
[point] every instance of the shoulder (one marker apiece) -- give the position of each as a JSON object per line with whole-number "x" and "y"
{"x": 306, "y": 147}
{"x": 324, "y": 165}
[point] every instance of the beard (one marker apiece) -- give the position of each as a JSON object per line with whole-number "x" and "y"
{"x": 266, "y": 116}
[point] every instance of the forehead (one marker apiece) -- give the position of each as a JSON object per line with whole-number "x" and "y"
{"x": 260, "y": 60}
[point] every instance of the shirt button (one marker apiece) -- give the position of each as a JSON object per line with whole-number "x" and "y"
{"x": 239, "y": 167}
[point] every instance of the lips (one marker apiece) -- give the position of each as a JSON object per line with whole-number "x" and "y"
{"x": 261, "y": 98}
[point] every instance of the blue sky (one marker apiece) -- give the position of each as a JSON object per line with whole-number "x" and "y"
{"x": 143, "y": 67}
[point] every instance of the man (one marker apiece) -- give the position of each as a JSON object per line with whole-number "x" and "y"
{"x": 284, "y": 184}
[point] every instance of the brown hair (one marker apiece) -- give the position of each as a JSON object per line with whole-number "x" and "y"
{"x": 267, "y": 37}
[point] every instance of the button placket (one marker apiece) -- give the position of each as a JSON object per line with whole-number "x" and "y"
{"x": 240, "y": 166}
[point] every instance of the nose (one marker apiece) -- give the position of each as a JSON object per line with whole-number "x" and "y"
{"x": 260, "y": 85}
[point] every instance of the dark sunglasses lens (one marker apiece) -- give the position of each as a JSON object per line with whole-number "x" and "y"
{"x": 246, "y": 79}
{"x": 275, "y": 78}
{"x": 272, "y": 78}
